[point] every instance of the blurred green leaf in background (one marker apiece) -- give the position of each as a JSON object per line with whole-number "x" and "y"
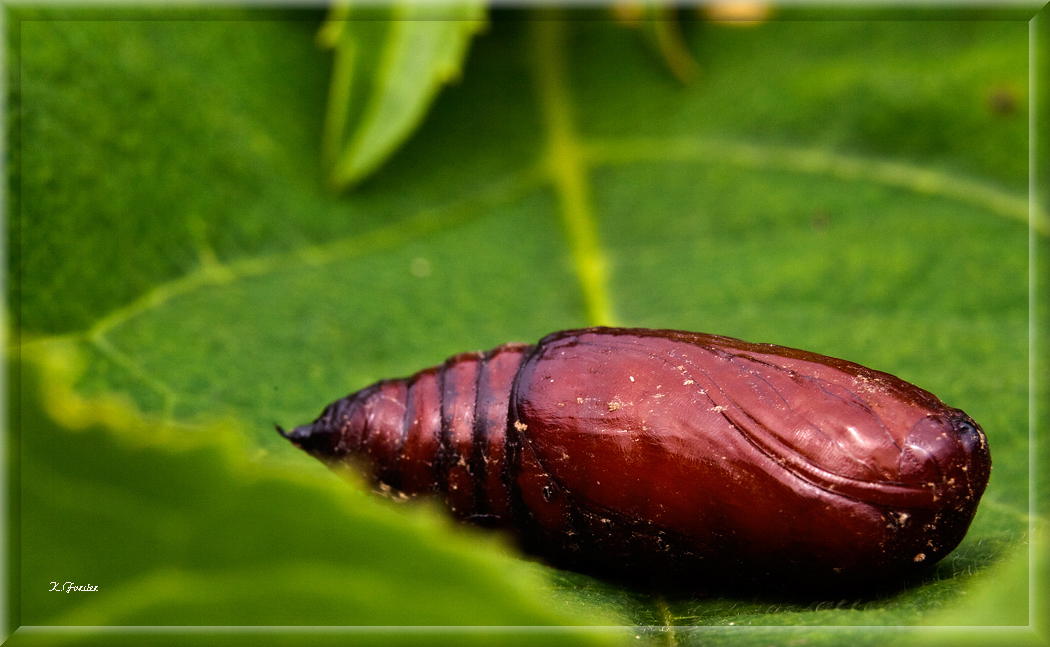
{"x": 389, "y": 64}
{"x": 182, "y": 276}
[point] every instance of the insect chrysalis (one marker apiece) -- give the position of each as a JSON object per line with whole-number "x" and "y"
{"x": 669, "y": 454}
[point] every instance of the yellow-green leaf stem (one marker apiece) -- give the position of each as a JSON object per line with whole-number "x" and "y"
{"x": 662, "y": 23}
{"x": 567, "y": 167}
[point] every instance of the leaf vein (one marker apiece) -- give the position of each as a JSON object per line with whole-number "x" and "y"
{"x": 629, "y": 150}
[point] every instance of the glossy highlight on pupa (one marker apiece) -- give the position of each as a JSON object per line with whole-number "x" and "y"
{"x": 667, "y": 455}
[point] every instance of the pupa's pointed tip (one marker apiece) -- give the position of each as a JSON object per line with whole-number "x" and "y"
{"x": 313, "y": 438}
{"x": 295, "y": 435}
{"x": 302, "y": 436}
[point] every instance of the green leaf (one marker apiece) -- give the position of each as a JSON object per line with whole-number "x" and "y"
{"x": 389, "y": 66}
{"x": 178, "y": 527}
{"x": 852, "y": 188}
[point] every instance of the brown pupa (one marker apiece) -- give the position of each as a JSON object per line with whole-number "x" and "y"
{"x": 669, "y": 455}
